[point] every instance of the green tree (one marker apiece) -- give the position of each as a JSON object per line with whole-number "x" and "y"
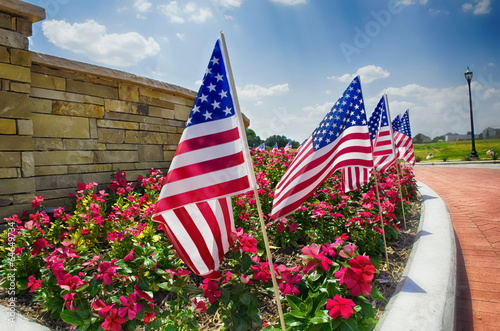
{"x": 253, "y": 139}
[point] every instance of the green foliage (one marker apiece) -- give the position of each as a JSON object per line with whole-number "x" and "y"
{"x": 455, "y": 150}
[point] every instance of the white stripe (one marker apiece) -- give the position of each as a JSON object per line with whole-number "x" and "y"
{"x": 208, "y": 128}
{"x": 185, "y": 240}
{"x": 206, "y": 154}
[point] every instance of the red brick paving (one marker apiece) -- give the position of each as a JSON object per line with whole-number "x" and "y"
{"x": 472, "y": 196}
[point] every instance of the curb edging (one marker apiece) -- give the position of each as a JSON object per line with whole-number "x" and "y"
{"x": 425, "y": 297}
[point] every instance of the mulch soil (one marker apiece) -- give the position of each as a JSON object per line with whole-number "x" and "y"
{"x": 386, "y": 281}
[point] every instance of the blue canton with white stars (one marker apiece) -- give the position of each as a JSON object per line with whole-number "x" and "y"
{"x": 402, "y": 124}
{"x": 347, "y": 112}
{"x": 375, "y": 123}
{"x": 214, "y": 101}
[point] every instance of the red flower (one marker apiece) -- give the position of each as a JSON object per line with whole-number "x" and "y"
{"x": 340, "y": 306}
{"x": 261, "y": 272}
{"x": 106, "y": 272}
{"x": 38, "y": 245}
{"x": 69, "y": 282}
{"x": 211, "y": 290}
{"x": 129, "y": 308}
{"x": 315, "y": 257}
{"x": 36, "y": 201}
{"x": 33, "y": 284}
{"x": 199, "y": 305}
{"x": 288, "y": 281}
{"x": 102, "y": 308}
{"x": 113, "y": 321}
{"x": 149, "y": 316}
{"x": 142, "y": 294}
{"x": 130, "y": 256}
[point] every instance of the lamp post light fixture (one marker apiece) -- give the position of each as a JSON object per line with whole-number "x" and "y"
{"x": 473, "y": 153}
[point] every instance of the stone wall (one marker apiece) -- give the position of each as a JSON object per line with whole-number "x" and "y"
{"x": 64, "y": 122}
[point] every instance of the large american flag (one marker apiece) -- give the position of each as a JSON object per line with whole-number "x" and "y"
{"x": 209, "y": 165}
{"x": 402, "y": 138}
{"x": 340, "y": 140}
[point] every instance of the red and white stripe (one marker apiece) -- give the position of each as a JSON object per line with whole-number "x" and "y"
{"x": 404, "y": 147}
{"x": 309, "y": 168}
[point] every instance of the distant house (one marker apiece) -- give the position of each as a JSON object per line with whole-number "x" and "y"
{"x": 491, "y": 133}
{"x": 421, "y": 139}
{"x": 456, "y": 136}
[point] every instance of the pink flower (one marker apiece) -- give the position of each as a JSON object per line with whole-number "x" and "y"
{"x": 38, "y": 245}
{"x": 245, "y": 279}
{"x": 141, "y": 294}
{"x": 199, "y": 305}
{"x": 81, "y": 186}
{"x": 33, "y": 284}
{"x": 113, "y": 321}
{"x": 315, "y": 257}
{"x": 92, "y": 262}
{"x": 211, "y": 290}
{"x": 293, "y": 227}
{"x": 106, "y": 272}
{"x": 102, "y": 308}
{"x": 149, "y": 316}
{"x": 339, "y": 306}
{"x": 36, "y": 201}
{"x": 288, "y": 281}
{"x": 261, "y": 272}
{"x": 130, "y": 308}
{"x": 69, "y": 282}
{"x": 347, "y": 251}
{"x": 129, "y": 256}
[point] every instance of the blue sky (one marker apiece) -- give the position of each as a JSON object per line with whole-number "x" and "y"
{"x": 292, "y": 59}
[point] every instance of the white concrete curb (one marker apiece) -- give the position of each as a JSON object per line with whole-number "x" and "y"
{"x": 425, "y": 297}
{"x": 12, "y": 321}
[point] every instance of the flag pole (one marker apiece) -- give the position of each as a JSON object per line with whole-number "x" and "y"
{"x": 397, "y": 165}
{"x": 381, "y": 217}
{"x": 254, "y": 181}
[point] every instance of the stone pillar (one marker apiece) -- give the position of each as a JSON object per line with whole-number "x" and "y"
{"x": 17, "y": 181}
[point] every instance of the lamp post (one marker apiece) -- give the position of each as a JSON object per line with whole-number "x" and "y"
{"x": 473, "y": 153}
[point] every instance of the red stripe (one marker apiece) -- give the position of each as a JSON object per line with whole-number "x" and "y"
{"x": 211, "y": 219}
{"x": 204, "y": 167}
{"x": 226, "y": 206}
{"x": 178, "y": 247}
{"x": 196, "y": 236}
{"x": 202, "y": 194}
{"x": 210, "y": 140}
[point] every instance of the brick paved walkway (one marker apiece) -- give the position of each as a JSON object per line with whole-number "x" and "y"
{"x": 472, "y": 196}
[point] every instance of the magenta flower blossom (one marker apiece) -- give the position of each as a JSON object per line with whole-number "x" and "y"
{"x": 261, "y": 272}
{"x": 130, "y": 308}
{"x": 211, "y": 290}
{"x": 339, "y": 306}
{"x": 33, "y": 284}
{"x": 36, "y": 201}
{"x": 106, "y": 272}
{"x": 113, "y": 321}
{"x": 69, "y": 282}
{"x": 101, "y": 307}
{"x": 129, "y": 256}
{"x": 314, "y": 257}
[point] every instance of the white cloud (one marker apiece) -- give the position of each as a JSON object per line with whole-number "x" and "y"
{"x": 230, "y": 3}
{"x": 142, "y": 5}
{"x": 478, "y": 7}
{"x": 190, "y": 11}
{"x": 318, "y": 110}
{"x": 90, "y": 39}
{"x": 412, "y": 2}
{"x": 255, "y": 92}
{"x": 290, "y": 2}
{"x": 367, "y": 74}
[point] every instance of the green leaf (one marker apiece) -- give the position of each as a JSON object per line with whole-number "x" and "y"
{"x": 213, "y": 308}
{"x": 293, "y": 301}
{"x": 71, "y": 317}
{"x": 82, "y": 308}
{"x": 375, "y": 293}
{"x": 246, "y": 263}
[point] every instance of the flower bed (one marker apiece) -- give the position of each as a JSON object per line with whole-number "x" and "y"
{"x": 106, "y": 265}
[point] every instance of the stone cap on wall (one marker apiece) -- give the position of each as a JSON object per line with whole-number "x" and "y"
{"x": 117, "y": 75}
{"x": 22, "y": 9}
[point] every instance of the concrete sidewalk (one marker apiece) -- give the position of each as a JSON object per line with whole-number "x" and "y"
{"x": 12, "y": 321}
{"x": 471, "y": 193}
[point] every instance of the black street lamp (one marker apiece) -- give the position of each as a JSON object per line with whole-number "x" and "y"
{"x": 473, "y": 153}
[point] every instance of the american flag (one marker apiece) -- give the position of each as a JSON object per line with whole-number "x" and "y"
{"x": 381, "y": 137}
{"x": 288, "y": 145}
{"x": 340, "y": 140}
{"x": 209, "y": 165}
{"x": 402, "y": 138}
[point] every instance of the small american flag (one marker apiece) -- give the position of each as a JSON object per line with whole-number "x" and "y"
{"x": 288, "y": 145}
{"x": 340, "y": 140}
{"x": 209, "y": 165}
{"x": 381, "y": 137}
{"x": 402, "y": 138}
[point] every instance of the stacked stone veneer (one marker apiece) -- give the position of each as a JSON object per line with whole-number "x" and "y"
{"x": 64, "y": 122}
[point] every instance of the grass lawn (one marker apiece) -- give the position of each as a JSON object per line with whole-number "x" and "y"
{"x": 455, "y": 150}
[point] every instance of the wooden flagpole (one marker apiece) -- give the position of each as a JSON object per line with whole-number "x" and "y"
{"x": 397, "y": 165}
{"x": 254, "y": 181}
{"x": 381, "y": 217}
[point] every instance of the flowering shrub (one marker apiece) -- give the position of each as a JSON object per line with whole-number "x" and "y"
{"x": 106, "y": 265}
